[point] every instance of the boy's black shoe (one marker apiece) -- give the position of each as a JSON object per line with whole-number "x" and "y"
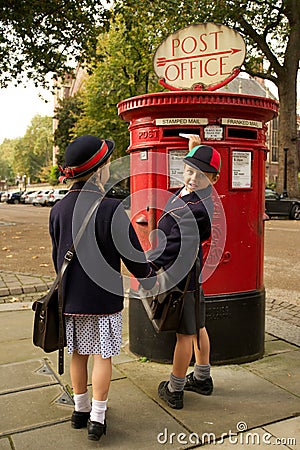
{"x": 201, "y": 387}
{"x": 173, "y": 399}
{"x": 79, "y": 419}
{"x": 95, "y": 430}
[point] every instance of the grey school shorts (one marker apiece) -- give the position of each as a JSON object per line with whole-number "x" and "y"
{"x": 188, "y": 320}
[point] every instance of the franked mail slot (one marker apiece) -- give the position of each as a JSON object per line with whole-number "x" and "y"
{"x": 241, "y": 133}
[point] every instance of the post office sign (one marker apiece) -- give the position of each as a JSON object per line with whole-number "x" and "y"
{"x": 202, "y": 54}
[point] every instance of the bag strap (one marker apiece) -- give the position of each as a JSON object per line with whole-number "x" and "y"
{"x": 70, "y": 253}
{"x": 58, "y": 282}
{"x": 188, "y": 279}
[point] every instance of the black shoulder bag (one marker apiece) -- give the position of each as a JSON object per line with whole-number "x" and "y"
{"x": 165, "y": 309}
{"x": 48, "y": 327}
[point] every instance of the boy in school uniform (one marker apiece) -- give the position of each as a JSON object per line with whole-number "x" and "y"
{"x": 184, "y": 225}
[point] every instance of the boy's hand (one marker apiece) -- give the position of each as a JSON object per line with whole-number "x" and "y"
{"x": 193, "y": 141}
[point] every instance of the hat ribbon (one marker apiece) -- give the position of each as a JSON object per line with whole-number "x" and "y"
{"x": 71, "y": 172}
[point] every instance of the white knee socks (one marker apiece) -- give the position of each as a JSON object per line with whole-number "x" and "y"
{"x": 98, "y": 410}
{"x": 82, "y": 402}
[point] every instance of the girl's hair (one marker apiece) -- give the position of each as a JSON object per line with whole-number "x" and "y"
{"x": 93, "y": 177}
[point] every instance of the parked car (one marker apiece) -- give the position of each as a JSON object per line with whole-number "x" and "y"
{"x": 4, "y": 196}
{"x": 281, "y": 205}
{"x": 24, "y": 196}
{"x": 28, "y": 199}
{"x": 14, "y": 197}
{"x": 120, "y": 192}
{"x": 42, "y": 197}
{"x": 55, "y": 196}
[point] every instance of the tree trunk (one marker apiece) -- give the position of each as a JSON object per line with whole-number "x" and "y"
{"x": 287, "y": 136}
{"x": 287, "y": 139}
{"x": 287, "y": 82}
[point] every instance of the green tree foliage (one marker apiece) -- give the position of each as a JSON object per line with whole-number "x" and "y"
{"x": 53, "y": 175}
{"x": 33, "y": 151}
{"x": 67, "y": 113}
{"x": 122, "y": 68}
{"x": 7, "y": 149}
{"x": 271, "y": 29}
{"x": 5, "y": 170}
{"x": 40, "y": 37}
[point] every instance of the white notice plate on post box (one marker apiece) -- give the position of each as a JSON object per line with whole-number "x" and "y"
{"x": 176, "y": 168}
{"x": 241, "y": 170}
{"x": 213, "y": 133}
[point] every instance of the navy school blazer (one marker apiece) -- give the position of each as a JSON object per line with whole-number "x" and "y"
{"x": 92, "y": 283}
{"x": 183, "y": 226}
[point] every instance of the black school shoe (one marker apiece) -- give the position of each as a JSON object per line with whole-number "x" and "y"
{"x": 79, "y": 419}
{"x": 95, "y": 430}
{"x": 173, "y": 399}
{"x": 201, "y": 387}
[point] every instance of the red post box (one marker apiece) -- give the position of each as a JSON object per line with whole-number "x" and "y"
{"x": 235, "y": 125}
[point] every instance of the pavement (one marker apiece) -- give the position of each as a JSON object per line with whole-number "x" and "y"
{"x": 254, "y": 405}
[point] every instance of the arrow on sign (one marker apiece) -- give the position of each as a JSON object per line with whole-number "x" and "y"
{"x": 162, "y": 61}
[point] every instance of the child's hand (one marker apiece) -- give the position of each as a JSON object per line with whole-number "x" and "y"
{"x": 193, "y": 141}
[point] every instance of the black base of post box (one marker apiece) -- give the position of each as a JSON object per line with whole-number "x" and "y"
{"x": 235, "y": 323}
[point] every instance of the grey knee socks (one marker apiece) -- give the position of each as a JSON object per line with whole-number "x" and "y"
{"x": 175, "y": 383}
{"x": 201, "y": 371}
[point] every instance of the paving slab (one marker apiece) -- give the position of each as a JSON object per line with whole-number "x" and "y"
{"x": 5, "y": 444}
{"x": 282, "y": 370}
{"x": 3, "y": 291}
{"x": 21, "y": 350}
{"x": 16, "y": 337}
{"x": 133, "y": 422}
{"x": 15, "y": 306}
{"x": 25, "y": 375}
{"x": 255, "y": 439}
{"x": 270, "y": 337}
{"x": 287, "y": 432}
{"x": 32, "y": 408}
{"x": 239, "y": 395}
{"x": 283, "y": 330}
{"x": 16, "y": 325}
{"x": 278, "y": 346}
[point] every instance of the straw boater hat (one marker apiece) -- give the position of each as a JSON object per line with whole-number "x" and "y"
{"x": 204, "y": 158}
{"x": 85, "y": 154}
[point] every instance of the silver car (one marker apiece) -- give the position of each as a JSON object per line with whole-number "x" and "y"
{"x": 29, "y": 198}
{"x": 55, "y": 196}
{"x": 42, "y": 197}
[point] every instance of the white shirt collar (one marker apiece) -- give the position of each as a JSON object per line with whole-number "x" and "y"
{"x": 183, "y": 192}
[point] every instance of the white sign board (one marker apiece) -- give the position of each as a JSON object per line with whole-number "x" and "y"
{"x": 176, "y": 168}
{"x": 242, "y": 123}
{"x": 241, "y": 170}
{"x": 204, "y": 54}
{"x": 213, "y": 133}
{"x": 181, "y": 121}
